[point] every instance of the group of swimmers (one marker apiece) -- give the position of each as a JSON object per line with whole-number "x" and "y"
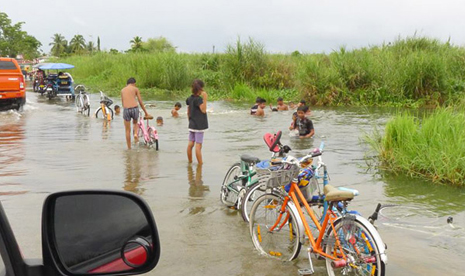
{"x": 300, "y": 125}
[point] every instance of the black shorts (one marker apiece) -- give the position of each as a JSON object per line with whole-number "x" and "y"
{"x": 131, "y": 113}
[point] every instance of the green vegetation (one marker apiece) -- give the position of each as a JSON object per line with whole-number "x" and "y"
{"x": 412, "y": 72}
{"x": 14, "y": 41}
{"x": 432, "y": 147}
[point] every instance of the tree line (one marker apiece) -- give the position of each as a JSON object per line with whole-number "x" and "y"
{"x": 14, "y": 41}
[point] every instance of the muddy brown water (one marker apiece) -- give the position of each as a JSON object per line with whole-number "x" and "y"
{"x": 48, "y": 147}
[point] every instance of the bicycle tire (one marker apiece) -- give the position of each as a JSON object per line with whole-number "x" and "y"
{"x": 358, "y": 244}
{"x": 78, "y": 103}
{"x": 86, "y": 105}
{"x": 99, "y": 113}
{"x": 227, "y": 197}
{"x": 140, "y": 134}
{"x": 282, "y": 243}
{"x": 153, "y": 140}
{"x": 250, "y": 196}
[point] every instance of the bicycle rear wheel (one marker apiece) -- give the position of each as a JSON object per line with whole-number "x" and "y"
{"x": 281, "y": 242}
{"x": 86, "y": 105}
{"x": 252, "y": 194}
{"x": 153, "y": 140}
{"x": 228, "y": 192}
{"x": 359, "y": 246}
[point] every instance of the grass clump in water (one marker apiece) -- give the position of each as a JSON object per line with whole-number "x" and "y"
{"x": 432, "y": 147}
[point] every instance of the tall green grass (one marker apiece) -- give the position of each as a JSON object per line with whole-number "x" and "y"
{"x": 415, "y": 71}
{"x": 432, "y": 146}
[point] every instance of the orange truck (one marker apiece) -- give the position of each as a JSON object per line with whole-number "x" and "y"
{"x": 12, "y": 85}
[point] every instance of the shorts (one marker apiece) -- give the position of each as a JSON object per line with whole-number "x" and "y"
{"x": 196, "y": 136}
{"x": 131, "y": 113}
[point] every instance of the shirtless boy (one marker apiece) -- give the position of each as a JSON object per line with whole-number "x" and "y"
{"x": 129, "y": 94}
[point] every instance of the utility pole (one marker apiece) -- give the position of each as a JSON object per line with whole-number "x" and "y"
{"x": 213, "y": 48}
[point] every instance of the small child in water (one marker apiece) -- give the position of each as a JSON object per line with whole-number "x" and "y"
{"x": 117, "y": 109}
{"x": 159, "y": 121}
{"x": 174, "y": 111}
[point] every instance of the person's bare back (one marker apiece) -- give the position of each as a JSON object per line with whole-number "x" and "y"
{"x": 128, "y": 96}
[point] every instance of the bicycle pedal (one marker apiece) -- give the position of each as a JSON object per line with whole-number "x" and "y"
{"x": 306, "y": 271}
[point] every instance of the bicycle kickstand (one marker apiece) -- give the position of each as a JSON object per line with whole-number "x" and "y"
{"x": 309, "y": 270}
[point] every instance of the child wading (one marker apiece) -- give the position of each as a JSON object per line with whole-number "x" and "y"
{"x": 303, "y": 124}
{"x": 198, "y": 122}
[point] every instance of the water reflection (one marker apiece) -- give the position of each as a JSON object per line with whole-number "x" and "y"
{"x": 441, "y": 199}
{"x": 105, "y": 129}
{"x": 196, "y": 188}
{"x": 140, "y": 167}
{"x": 12, "y": 148}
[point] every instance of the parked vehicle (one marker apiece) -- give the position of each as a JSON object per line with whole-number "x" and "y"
{"x": 87, "y": 232}
{"x": 12, "y": 85}
{"x": 60, "y": 84}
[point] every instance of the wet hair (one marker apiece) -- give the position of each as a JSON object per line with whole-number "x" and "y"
{"x": 258, "y": 99}
{"x": 131, "y": 81}
{"x": 303, "y": 102}
{"x": 197, "y": 86}
{"x": 159, "y": 118}
{"x": 280, "y": 99}
{"x": 116, "y": 106}
{"x": 303, "y": 108}
{"x": 274, "y": 109}
{"x": 178, "y": 104}
{"x": 262, "y": 101}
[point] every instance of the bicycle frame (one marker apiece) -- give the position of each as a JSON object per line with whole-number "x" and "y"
{"x": 145, "y": 129}
{"x": 329, "y": 218}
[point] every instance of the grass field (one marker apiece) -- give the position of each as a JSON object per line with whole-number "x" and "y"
{"x": 412, "y": 72}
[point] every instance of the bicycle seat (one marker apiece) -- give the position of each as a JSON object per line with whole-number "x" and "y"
{"x": 148, "y": 117}
{"x": 249, "y": 158}
{"x": 334, "y": 194}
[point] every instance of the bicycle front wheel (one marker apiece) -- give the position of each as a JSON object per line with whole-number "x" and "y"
{"x": 273, "y": 236}
{"x": 232, "y": 180}
{"x": 362, "y": 252}
{"x": 99, "y": 113}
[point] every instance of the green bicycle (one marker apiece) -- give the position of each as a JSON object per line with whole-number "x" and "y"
{"x": 242, "y": 175}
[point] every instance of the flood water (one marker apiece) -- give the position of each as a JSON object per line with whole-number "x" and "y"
{"x": 49, "y": 147}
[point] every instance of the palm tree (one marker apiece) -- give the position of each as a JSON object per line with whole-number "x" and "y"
{"x": 136, "y": 43}
{"x": 78, "y": 44}
{"x": 59, "y": 45}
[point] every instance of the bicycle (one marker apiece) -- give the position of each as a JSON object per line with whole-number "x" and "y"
{"x": 348, "y": 242}
{"x": 82, "y": 100}
{"x": 147, "y": 132}
{"x": 104, "y": 111}
{"x": 240, "y": 176}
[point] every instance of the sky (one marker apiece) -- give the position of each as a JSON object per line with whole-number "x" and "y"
{"x": 282, "y": 26}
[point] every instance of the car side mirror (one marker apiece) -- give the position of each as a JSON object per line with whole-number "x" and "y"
{"x": 98, "y": 232}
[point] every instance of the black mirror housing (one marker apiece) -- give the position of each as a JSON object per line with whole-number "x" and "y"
{"x": 98, "y": 233}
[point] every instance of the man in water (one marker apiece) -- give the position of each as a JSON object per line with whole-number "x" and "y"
{"x": 129, "y": 94}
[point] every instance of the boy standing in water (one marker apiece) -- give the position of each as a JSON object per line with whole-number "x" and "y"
{"x": 198, "y": 122}
{"x": 129, "y": 94}
{"x": 303, "y": 124}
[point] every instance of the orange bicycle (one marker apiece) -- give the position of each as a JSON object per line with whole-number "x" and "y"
{"x": 349, "y": 243}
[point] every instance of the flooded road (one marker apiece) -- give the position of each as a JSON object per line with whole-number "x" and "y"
{"x": 49, "y": 147}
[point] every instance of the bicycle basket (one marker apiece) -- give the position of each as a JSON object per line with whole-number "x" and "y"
{"x": 279, "y": 176}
